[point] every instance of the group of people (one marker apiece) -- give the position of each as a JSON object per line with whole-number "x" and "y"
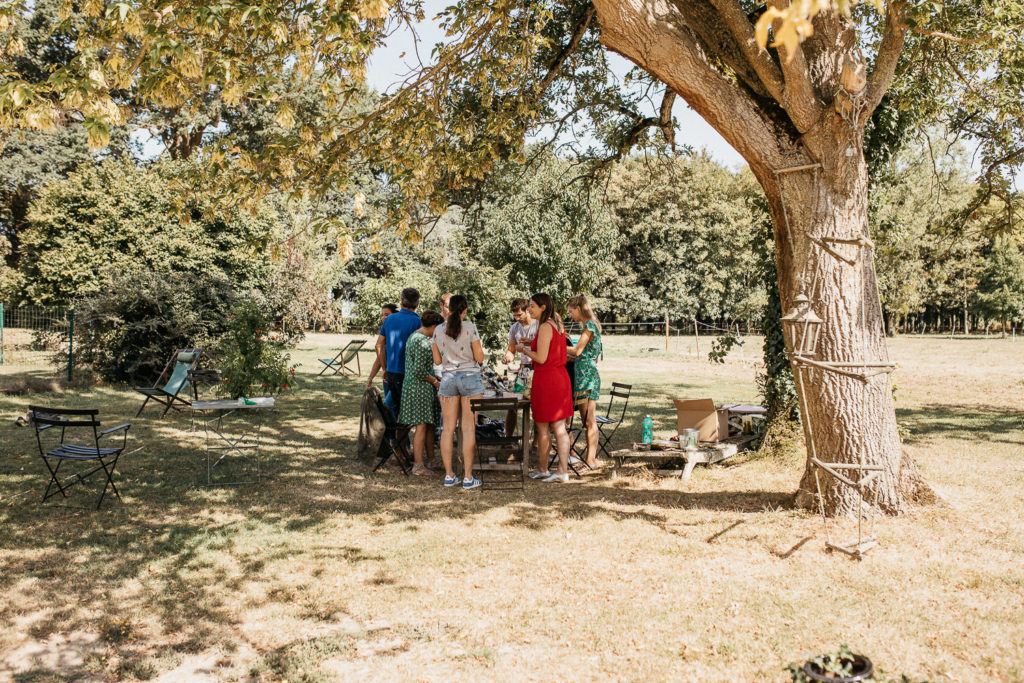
{"x": 432, "y": 370}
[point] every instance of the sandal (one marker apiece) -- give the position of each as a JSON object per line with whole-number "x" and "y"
{"x": 421, "y": 470}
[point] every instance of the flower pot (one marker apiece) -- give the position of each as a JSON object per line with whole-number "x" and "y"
{"x": 861, "y": 670}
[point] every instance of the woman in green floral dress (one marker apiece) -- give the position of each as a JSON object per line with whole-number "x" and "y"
{"x": 586, "y": 352}
{"x": 420, "y": 407}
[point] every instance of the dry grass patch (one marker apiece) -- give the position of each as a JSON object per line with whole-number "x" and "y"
{"x": 325, "y": 571}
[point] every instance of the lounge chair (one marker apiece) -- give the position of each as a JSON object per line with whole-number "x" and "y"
{"x": 175, "y": 380}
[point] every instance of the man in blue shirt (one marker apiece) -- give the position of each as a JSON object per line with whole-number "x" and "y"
{"x": 391, "y": 343}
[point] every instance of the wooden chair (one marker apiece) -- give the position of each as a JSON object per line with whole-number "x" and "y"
{"x": 173, "y": 380}
{"x": 342, "y": 362}
{"x": 81, "y": 425}
{"x": 499, "y": 453}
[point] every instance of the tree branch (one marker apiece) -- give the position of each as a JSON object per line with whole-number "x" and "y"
{"x": 647, "y": 33}
{"x": 742, "y": 31}
{"x": 893, "y": 36}
{"x": 577, "y": 34}
{"x": 715, "y": 38}
{"x": 798, "y": 99}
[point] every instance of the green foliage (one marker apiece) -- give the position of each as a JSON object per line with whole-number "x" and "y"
{"x": 549, "y": 235}
{"x": 127, "y": 331}
{"x": 689, "y": 235}
{"x": 103, "y": 220}
{"x": 252, "y": 357}
{"x": 489, "y": 294}
{"x": 372, "y": 294}
{"x": 775, "y": 383}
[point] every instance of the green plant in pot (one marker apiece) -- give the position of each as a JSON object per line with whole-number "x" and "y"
{"x": 253, "y": 359}
{"x": 841, "y": 666}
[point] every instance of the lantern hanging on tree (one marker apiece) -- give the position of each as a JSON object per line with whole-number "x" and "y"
{"x": 801, "y": 327}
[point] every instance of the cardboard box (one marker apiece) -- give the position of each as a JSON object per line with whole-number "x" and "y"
{"x": 701, "y": 414}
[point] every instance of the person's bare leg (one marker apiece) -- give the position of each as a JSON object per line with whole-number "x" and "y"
{"x": 540, "y": 430}
{"x": 450, "y": 411}
{"x": 562, "y": 446}
{"x": 592, "y": 433}
{"x": 468, "y": 435}
{"x": 418, "y": 439}
{"x": 510, "y": 423}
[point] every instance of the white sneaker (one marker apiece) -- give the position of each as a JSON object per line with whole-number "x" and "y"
{"x": 539, "y": 475}
{"x": 563, "y": 478}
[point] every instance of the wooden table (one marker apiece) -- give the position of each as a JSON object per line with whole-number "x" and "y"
{"x": 247, "y": 441}
{"x": 522, "y": 405}
{"x": 706, "y": 454}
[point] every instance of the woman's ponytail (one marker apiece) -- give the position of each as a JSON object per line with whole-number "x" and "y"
{"x": 456, "y": 305}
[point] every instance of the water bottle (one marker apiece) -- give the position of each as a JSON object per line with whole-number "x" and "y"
{"x": 648, "y": 433}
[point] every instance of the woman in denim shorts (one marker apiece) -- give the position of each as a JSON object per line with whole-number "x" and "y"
{"x": 458, "y": 351}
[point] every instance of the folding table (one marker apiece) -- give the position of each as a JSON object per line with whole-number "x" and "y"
{"x": 219, "y": 439}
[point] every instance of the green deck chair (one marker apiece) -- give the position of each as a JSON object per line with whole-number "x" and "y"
{"x": 173, "y": 382}
{"x": 342, "y": 363}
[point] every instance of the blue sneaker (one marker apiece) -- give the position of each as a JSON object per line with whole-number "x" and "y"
{"x": 471, "y": 484}
{"x": 451, "y": 481}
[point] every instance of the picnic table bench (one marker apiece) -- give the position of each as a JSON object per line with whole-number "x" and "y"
{"x": 706, "y": 454}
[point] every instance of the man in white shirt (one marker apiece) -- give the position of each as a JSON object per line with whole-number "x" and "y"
{"x": 523, "y": 329}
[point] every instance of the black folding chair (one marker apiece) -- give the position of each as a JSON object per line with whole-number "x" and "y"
{"x": 579, "y": 400}
{"x": 619, "y": 391}
{"x": 175, "y": 379}
{"x": 496, "y": 452}
{"x": 342, "y": 363}
{"x": 81, "y": 423}
{"x": 396, "y": 437}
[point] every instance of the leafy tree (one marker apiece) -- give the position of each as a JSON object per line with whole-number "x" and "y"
{"x": 689, "y": 242}
{"x": 126, "y": 330}
{"x": 107, "y": 219}
{"x": 1001, "y": 287}
{"x": 551, "y": 236}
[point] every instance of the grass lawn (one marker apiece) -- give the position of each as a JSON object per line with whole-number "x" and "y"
{"x": 326, "y": 572}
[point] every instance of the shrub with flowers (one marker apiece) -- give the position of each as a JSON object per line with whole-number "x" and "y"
{"x": 253, "y": 358}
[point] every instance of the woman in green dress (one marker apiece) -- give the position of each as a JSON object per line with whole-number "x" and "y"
{"x": 420, "y": 407}
{"x": 586, "y": 352}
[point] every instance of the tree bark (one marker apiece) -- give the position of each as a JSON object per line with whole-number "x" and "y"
{"x": 807, "y": 125}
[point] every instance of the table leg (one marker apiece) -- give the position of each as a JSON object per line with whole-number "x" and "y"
{"x": 526, "y": 441}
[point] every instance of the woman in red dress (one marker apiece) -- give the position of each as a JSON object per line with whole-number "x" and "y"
{"x": 551, "y": 395}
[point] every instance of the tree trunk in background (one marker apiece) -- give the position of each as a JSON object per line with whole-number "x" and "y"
{"x": 794, "y": 119}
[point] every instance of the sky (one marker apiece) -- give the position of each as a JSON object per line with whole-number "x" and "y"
{"x": 387, "y": 66}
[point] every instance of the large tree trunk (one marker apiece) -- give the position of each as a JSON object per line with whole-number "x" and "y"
{"x": 845, "y": 419}
{"x": 807, "y": 109}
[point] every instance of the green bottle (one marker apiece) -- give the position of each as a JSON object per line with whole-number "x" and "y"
{"x": 648, "y": 430}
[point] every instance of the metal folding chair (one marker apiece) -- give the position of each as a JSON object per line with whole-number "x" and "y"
{"x": 393, "y": 443}
{"x": 342, "y": 363}
{"x": 579, "y": 399}
{"x": 499, "y": 453}
{"x": 619, "y": 391}
{"x": 173, "y": 380}
{"x": 83, "y": 424}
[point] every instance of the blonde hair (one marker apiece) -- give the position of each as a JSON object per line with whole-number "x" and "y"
{"x": 582, "y": 304}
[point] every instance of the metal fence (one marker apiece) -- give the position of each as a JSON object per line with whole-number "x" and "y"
{"x": 36, "y": 337}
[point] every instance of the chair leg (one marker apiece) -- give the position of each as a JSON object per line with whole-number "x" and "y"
{"x": 53, "y": 480}
{"x": 109, "y": 482}
{"x": 139, "y": 412}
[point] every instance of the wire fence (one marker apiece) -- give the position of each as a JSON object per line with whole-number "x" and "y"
{"x": 33, "y": 337}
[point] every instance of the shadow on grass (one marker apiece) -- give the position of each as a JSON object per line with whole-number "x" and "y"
{"x": 188, "y": 547}
{"x": 970, "y": 422}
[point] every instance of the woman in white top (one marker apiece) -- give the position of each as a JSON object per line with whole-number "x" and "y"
{"x": 458, "y": 351}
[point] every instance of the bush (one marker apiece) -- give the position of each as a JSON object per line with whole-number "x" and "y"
{"x": 126, "y": 332}
{"x": 372, "y": 294}
{"x": 253, "y": 359}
